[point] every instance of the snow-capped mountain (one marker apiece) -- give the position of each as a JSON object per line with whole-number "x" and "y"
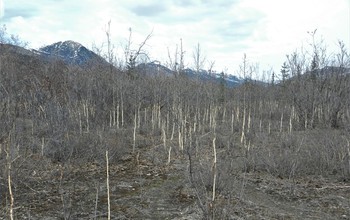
{"x": 230, "y": 80}
{"x": 71, "y": 53}
{"x": 155, "y": 68}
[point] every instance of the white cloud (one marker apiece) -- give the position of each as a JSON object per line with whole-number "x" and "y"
{"x": 2, "y": 8}
{"x": 226, "y": 29}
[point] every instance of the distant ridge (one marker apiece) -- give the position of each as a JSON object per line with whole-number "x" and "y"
{"x": 155, "y": 68}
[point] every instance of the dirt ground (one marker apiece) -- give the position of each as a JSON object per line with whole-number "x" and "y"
{"x": 140, "y": 189}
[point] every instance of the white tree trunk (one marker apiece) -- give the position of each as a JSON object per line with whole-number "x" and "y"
{"x": 214, "y": 171}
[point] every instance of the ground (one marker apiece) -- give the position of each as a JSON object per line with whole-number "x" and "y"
{"x": 142, "y": 189}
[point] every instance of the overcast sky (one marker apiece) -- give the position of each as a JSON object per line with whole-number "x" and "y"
{"x": 266, "y": 30}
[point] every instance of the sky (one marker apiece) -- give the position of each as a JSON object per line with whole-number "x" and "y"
{"x": 265, "y": 30}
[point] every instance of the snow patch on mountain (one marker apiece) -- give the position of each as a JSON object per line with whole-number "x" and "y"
{"x": 71, "y": 52}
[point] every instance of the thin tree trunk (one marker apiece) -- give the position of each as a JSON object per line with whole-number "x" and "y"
{"x": 134, "y": 133}
{"x": 243, "y": 126}
{"x": 281, "y": 123}
{"x": 214, "y": 179}
{"x": 9, "y": 168}
{"x": 107, "y": 182}
{"x": 117, "y": 122}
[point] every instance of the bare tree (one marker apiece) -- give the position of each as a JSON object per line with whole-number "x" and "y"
{"x": 211, "y": 67}
{"x": 198, "y": 58}
{"x": 6, "y": 38}
{"x": 172, "y": 61}
{"x": 132, "y": 55}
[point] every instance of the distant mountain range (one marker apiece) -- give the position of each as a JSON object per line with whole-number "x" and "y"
{"x": 73, "y": 53}
{"x": 155, "y": 67}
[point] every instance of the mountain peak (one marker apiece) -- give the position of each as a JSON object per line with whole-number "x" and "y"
{"x": 69, "y": 49}
{"x": 70, "y": 44}
{"x": 71, "y": 52}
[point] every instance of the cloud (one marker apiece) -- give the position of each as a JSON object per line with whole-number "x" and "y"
{"x": 226, "y": 29}
{"x": 2, "y": 8}
{"x": 19, "y": 8}
{"x": 235, "y": 29}
{"x": 149, "y": 10}
{"x": 183, "y": 3}
{"x": 19, "y": 12}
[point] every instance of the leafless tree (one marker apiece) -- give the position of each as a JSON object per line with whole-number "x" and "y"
{"x": 198, "y": 58}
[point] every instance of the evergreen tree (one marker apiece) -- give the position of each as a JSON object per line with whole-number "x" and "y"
{"x": 285, "y": 71}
